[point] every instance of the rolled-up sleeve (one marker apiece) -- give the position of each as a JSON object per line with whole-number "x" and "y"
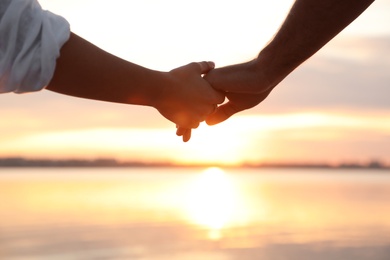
{"x": 30, "y": 43}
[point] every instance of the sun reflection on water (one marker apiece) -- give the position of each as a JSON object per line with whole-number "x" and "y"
{"x": 213, "y": 201}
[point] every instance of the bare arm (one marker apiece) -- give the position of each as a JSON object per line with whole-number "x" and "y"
{"x": 83, "y": 70}
{"x": 181, "y": 95}
{"x": 309, "y": 25}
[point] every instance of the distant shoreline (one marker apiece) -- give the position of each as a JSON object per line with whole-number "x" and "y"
{"x": 15, "y": 162}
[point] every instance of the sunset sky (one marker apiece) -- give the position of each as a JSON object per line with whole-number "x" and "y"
{"x": 334, "y": 108}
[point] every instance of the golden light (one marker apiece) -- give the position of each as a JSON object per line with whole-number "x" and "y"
{"x": 213, "y": 201}
{"x": 119, "y": 143}
{"x": 241, "y": 139}
{"x": 219, "y": 144}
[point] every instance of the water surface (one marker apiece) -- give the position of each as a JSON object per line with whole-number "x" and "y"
{"x": 164, "y": 213}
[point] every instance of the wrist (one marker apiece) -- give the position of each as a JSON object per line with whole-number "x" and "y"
{"x": 149, "y": 90}
{"x": 157, "y": 94}
{"x": 276, "y": 63}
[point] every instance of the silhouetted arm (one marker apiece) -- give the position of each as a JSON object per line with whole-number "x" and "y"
{"x": 181, "y": 95}
{"x": 309, "y": 25}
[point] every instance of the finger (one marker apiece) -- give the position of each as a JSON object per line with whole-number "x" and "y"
{"x": 187, "y": 135}
{"x": 219, "y": 97}
{"x": 205, "y": 67}
{"x": 214, "y": 108}
{"x": 240, "y": 78}
{"x": 222, "y": 113}
{"x": 202, "y": 67}
{"x": 180, "y": 131}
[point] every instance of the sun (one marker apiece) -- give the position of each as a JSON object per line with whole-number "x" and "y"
{"x": 213, "y": 201}
{"x": 216, "y": 145}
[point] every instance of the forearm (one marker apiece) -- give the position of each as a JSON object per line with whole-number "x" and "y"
{"x": 309, "y": 25}
{"x": 181, "y": 95}
{"x": 84, "y": 70}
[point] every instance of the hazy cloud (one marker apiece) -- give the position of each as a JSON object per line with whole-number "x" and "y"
{"x": 348, "y": 73}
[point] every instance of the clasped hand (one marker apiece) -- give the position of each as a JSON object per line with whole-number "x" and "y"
{"x": 187, "y": 98}
{"x": 243, "y": 85}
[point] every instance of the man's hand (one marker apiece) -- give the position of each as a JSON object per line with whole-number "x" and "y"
{"x": 244, "y": 85}
{"x": 237, "y": 102}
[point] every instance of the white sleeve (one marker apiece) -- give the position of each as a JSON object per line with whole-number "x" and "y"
{"x": 30, "y": 43}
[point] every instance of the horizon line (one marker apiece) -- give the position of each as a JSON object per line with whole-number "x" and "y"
{"x": 112, "y": 162}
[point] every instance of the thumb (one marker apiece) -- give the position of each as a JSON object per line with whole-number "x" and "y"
{"x": 202, "y": 67}
{"x": 222, "y": 113}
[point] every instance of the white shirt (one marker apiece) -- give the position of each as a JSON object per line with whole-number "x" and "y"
{"x": 30, "y": 43}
